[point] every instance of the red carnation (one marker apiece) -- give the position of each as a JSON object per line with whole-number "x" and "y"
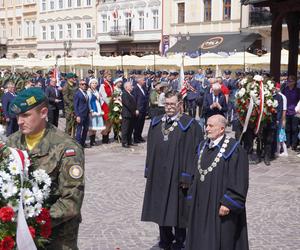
{"x": 43, "y": 216}
{"x": 32, "y": 231}
{"x": 7, "y": 243}
{"x": 6, "y": 214}
{"x": 46, "y": 230}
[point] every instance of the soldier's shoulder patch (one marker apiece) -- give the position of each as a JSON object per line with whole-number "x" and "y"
{"x": 76, "y": 171}
{"x": 70, "y": 152}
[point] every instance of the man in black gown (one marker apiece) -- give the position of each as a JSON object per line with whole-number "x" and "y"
{"x": 217, "y": 218}
{"x": 171, "y": 154}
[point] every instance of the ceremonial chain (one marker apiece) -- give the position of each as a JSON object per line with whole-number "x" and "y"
{"x": 165, "y": 131}
{"x": 204, "y": 172}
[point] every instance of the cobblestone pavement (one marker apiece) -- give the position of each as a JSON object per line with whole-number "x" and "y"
{"x": 114, "y": 196}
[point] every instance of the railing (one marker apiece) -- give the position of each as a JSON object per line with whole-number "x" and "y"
{"x": 260, "y": 17}
{"x": 121, "y": 32}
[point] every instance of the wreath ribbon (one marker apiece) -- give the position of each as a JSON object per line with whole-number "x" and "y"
{"x": 24, "y": 238}
{"x": 261, "y": 106}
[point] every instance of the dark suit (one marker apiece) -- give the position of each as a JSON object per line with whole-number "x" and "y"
{"x": 81, "y": 109}
{"x": 12, "y": 125}
{"x": 128, "y": 117}
{"x": 142, "y": 104}
{"x": 208, "y": 101}
{"x": 53, "y": 93}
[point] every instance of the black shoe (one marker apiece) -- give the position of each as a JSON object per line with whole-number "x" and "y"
{"x": 142, "y": 140}
{"x": 125, "y": 145}
{"x": 136, "y": 141}
{"x": 87, "y": 146}
{"x": 132, "y": 144}
{"x": 105, "y": 139}
{"x": 267, "y": 161}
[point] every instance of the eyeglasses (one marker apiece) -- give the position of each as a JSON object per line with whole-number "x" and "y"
{"x": 171, "y": 104}
{"x": 82, "y": 83}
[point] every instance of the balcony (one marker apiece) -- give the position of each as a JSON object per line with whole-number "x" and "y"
{"x": 121, "y": 33}
{"x": 260, "y": 17}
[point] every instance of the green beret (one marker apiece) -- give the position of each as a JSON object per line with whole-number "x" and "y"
{"x": 71, "y": 75}
{"x": 26, "y": 100}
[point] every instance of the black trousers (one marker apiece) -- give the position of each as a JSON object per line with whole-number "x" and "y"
{"x": 265, "y": 143}
{"x": 167, "y": 237}
{"x": 127, "y": 129}
{"x": 291, "y": 129}
{"x": 139, "y": 125}
{"x": 248, "y": 139}
{"x": 53, "y": 115}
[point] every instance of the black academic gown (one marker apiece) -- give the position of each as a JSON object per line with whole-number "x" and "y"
{"x": 227, "y": 184}
{"x": 169, "y": 163}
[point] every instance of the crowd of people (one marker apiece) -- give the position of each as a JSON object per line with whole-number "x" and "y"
{"x": 108, "y": 101}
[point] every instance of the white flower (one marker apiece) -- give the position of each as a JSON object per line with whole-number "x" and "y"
{"x": 38, "y": 194}
{"x": 275, "y": 103}
{"x": 258, "y": 78}
{"x": 28, "y": 197}
{"x": 253, "y": 93}
{"x": 116, "y": 109}
{"x": 41, "y": 176}
{"x": 267, "y": 92}
{"x": 8, "y": 190}
{"x": 37, "y": 209}
{"x": 244, "y": 81}
{"x": 29, "y": 211}
{"x": 242, "y": 92}
{"x": 257, "y": 102}
{"x": 5, "y": 176}
{"x": 269, "y": 103}
{"x": 13, "y": 168}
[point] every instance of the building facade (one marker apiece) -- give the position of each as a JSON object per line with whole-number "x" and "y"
{"x": 128, "y": 27}
{"x": 66, "y": 28}
{"x": 18, "y": 28}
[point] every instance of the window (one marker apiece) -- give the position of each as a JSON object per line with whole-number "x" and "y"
{"x": 104, "y": 23}
{"x": 33, "y": 28}
{"x": 226, "y": 9}
{"x": 27, "y": 29}
{"x": 141, "y": 20}
{"x": 52, "y": 5}
{"x": 44, "y": 5}
{"x": 61, "y": 4}
{"x": 181, "y": 10}
{"x": 78, "y": 3}
{"x": 69, "y": 30}
{"x": 60, "y": 31}
{"x": 88, "y": 30}
{"x": 155, "y": 19}
{"x": 207, "y": 10}
{"x": 10, "y": 30}
{"x": 52, "y": 36}
{"x": 3, "y": 30}
{"x": 19, "y": 30}
{"x": 128, "y": 23}
{"x": 44, "y": 33}
{"x": 1, "y": 3}
{"x": 78, "y": 30}
{"x": 69, "y": 3}
{"x": 88, "y": 2}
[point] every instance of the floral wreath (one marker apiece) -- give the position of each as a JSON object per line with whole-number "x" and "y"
{"x": 255, "y": 103}
{"x": 24, "y": 218}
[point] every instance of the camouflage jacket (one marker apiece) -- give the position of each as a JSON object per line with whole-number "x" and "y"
{"x": 68, "y": 95}
{"x": 63, "y": 160}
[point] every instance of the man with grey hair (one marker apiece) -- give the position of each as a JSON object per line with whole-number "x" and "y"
{"x": 141, "y": 98}
{"x": 214, "y": 102}
{"x": 10, "y": 119}
{"x": 217, "y": 218}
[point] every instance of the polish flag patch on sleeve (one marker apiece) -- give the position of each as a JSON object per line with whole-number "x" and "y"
{"x": 70, "y": 152}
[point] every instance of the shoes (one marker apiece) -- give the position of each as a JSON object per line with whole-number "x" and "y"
{"x": 267, "y": 161}
{"x": 142, "y": 140}
{"x": 132, "y": 144}
{"x": 105, "y": 139}
{"x": 125, "y": 145}
{"x": 87, "y": 146}
{"x": 283, "y": 154}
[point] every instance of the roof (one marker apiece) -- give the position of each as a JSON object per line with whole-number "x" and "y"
{"x": 215, "y": 42}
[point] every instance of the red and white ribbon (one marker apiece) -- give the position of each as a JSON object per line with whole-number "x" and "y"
{"x": 24, "y": 238}
{"x": 261, "y": 106}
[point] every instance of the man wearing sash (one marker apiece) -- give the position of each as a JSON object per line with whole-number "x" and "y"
{"x": 60, "y": 156}
{"x": 171, "y": 152}
{"x": 217, "y": 218}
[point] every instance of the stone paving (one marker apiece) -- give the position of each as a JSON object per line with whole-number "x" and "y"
{"x": 114, "y": 196}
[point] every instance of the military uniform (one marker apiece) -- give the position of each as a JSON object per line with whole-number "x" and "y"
{"x": 63, "y": 160}
{"x": 68, "y": 96}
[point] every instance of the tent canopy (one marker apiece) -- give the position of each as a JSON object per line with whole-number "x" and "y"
{"x": 214, "y": 43}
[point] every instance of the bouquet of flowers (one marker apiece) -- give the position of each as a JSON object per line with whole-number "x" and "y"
{"x": 254, "y": 101}
{"x": 2, "y": 120}
{"x": 23, "y": 193}
{"x": 114, "y": 115}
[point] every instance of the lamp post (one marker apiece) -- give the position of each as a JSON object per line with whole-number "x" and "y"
{"x": 67, "y": 49}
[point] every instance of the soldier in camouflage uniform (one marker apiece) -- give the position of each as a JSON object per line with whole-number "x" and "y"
{"x": 68, "y": 94}
{"x": 60, "y": 156}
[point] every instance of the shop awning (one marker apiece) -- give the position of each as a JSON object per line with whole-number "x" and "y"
{"x": 214, "y": 43}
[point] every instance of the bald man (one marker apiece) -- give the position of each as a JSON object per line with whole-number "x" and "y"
{"x": 217, "y": 218}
